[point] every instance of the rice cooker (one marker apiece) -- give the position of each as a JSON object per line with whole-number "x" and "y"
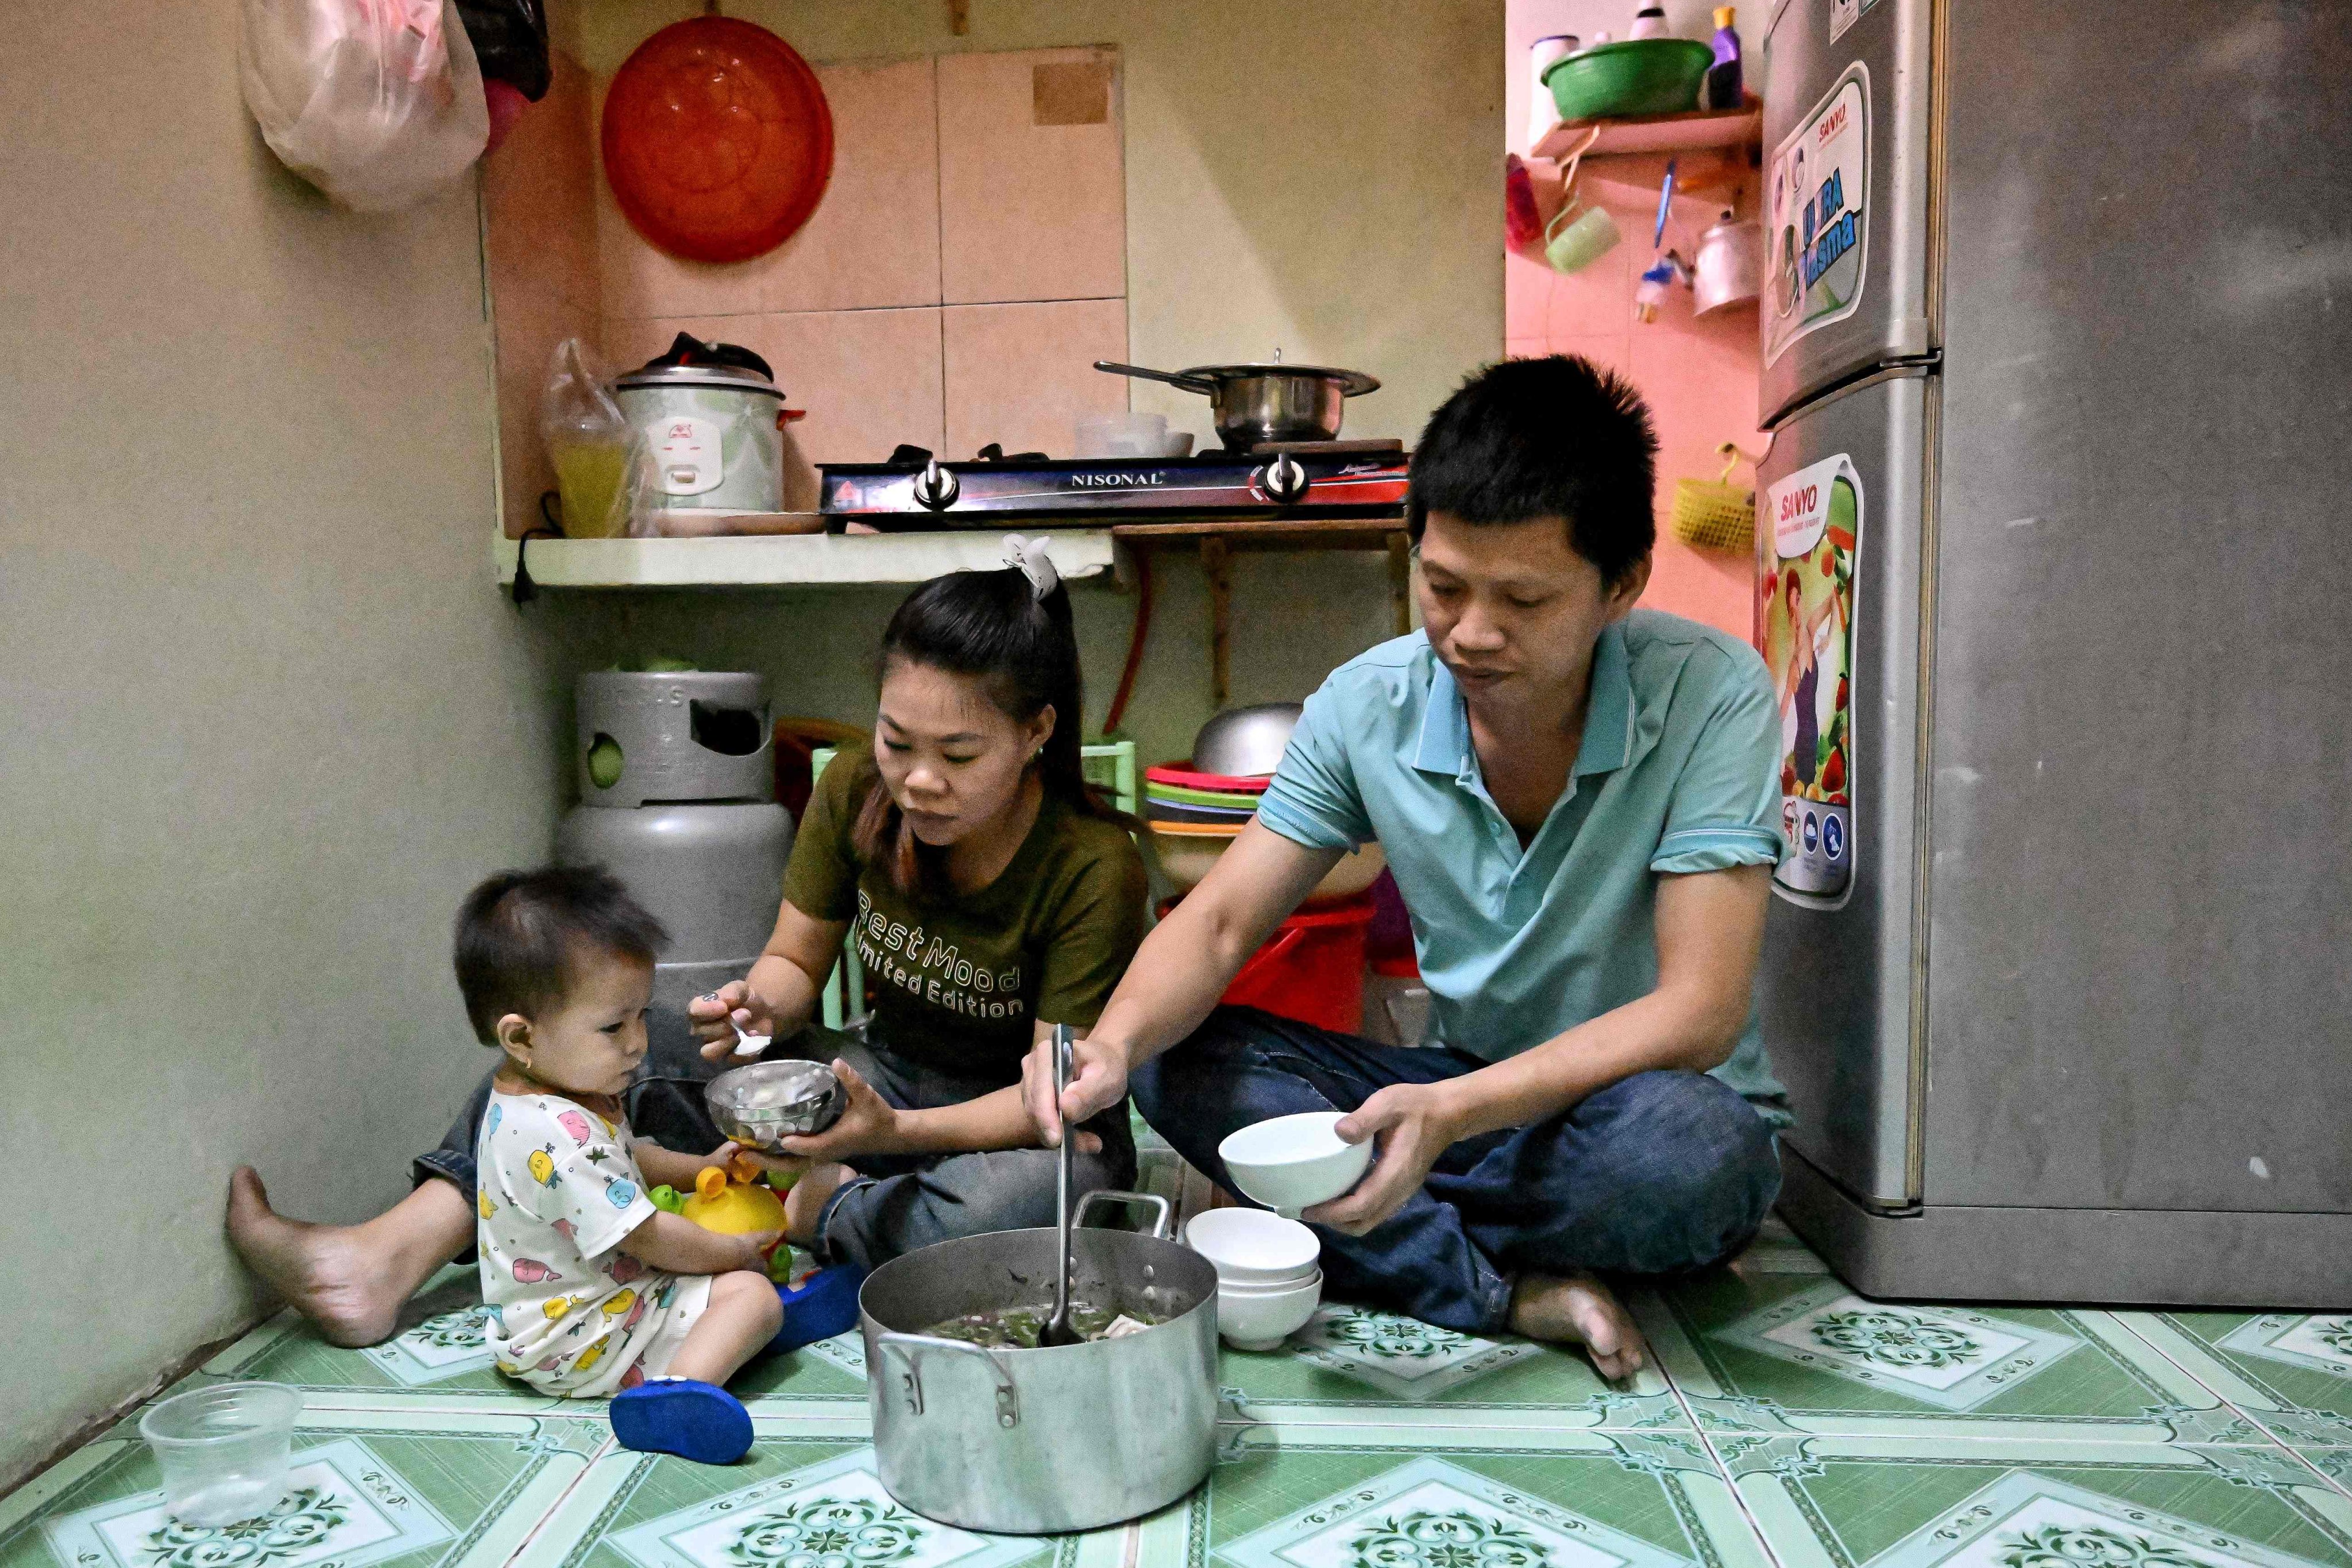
{"x": 712, "y": 416}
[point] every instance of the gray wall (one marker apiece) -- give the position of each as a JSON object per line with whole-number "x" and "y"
{"x": 267, "y": 718}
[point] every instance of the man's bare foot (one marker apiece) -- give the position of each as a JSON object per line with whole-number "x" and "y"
{"x": 804, "y": 1205}
{"x": 349, "y": 1279}
{"x": 1579, "y": 1309}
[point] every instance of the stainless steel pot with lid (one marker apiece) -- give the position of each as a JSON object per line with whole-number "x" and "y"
{"x": 1269, "y": 402}
{"x": 1027, "y": 1442}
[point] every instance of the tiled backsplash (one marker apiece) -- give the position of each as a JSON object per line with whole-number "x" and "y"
{"x": 966, "y": 267}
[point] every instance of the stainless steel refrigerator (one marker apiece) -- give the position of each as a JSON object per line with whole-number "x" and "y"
{"x": 2054, "y": 577}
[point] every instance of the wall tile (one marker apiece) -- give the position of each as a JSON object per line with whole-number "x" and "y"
{"x": 869, "y": 379}
{"x": 1029, "y": 208}
{"x": 1023, "y": 375}
{"x": 531, "y": 322}
{"x": 539, "y": 187}
{"x": 872, "y": 243}
{"x": 875, "y": 240}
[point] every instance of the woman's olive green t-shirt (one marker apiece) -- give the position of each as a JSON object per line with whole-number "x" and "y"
{"x": 959, "y": 983}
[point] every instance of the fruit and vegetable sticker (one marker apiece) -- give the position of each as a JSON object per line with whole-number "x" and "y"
{"x": 1805, "y": 629}
{"x": 1818, "y": 207}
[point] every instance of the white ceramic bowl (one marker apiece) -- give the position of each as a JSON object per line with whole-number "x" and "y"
{"x": 1251, "y": 1247}
{"x": 1293, "y": 1162}
{"x": 1260, "y": 1318}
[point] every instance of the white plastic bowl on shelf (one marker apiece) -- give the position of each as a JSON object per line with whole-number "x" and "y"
{"x": 1290, "y": 1163}
{"x": 221, "y": 1451}
{"x": 1253, "y": 1246}
{"x": 1260, "y": 1317}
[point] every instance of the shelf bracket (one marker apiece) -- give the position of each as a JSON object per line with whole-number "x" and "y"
{"x": 1216, "y": 564}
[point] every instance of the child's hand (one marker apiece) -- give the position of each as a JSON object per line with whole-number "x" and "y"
{"x": 758, "y": 1246}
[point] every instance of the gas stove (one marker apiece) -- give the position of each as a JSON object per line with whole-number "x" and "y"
{"x": 1292, "y": 480}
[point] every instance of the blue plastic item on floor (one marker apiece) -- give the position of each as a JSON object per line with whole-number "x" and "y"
{"x": 819, "y": 1307}
{"x": 698, "y": 1421}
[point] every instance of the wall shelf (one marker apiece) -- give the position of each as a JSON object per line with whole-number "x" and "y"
{"x": 1685, "y": 132}
{"x": 784, "y": 560}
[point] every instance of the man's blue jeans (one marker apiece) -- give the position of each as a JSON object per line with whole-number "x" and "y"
{"x": 1661, "y": 1172}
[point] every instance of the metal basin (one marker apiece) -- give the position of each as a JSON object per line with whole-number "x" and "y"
{"x": 1027, "y": 1442}
{"x": 759, "y": 1104}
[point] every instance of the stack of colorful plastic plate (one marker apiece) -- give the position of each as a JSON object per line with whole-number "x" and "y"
{"x": 1175, "y": 795}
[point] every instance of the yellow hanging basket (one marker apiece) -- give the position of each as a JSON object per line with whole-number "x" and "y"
{"x": 1716, "y": 515}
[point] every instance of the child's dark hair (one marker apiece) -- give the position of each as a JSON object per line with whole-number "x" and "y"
{"x": 520, "y": 933}
{"x": 1558, "y": 436}
{"x": 1025, "y": 652}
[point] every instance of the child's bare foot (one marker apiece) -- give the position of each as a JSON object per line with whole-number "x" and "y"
{"x": 804, "y": 1205}
{"x": 350, "y": 1281}
{"x": 1579, "y": 1309}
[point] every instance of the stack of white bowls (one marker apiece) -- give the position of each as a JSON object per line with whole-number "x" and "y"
{"x": 1269, "y": 1274}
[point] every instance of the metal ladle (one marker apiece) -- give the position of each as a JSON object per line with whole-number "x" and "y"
{"x": 1057, "y": 1330}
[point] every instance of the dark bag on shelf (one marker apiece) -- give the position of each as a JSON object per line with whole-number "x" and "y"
{"x": 510, "y": 39}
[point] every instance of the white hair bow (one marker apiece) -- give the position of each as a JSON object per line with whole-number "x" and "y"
{"x": 1029, "y": 555}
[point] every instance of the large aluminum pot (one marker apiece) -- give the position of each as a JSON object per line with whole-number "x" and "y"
{"x": 1259, "y": 403}
{"x": 1029, "y": 1442}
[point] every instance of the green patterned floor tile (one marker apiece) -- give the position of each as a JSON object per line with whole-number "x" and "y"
{"x": 1353, "y": 1364}
{"x": 794, "y": 1502}
{"x": 2290, "y": 1371}
{"x": 401, "y": 1490}
{"x": 828, "y": 1378}
{"x": 2019, "y": 1500}
{"x": 1293, "y": 1499}
{"x": 438, "y": 1353}
{"x": 1753, "y": 1350}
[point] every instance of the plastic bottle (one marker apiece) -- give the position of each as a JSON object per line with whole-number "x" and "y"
{"x": 1722, "y": 89}
{"x": 1649, "y": 22}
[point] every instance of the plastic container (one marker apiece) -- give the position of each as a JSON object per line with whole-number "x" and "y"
{"x": 1312, "y": 968}
{"x": 222, "y": 1451}
{"x": 1633, "y": 76}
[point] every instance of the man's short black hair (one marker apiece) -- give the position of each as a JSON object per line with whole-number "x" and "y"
{"x": 520, "y": 933}
{"x": 1558, "y": 436}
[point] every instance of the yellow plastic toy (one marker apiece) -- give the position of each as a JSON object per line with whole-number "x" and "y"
{"x": 730, "y": 1203}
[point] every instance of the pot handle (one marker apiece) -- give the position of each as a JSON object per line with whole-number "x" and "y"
{"x": 911, "y": 1346}
{"x": 1160, "y": 1225}
{"x": 1189, "y": 382}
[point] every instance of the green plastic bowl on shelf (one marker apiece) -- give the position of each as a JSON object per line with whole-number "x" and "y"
{"x": 1633, "y": 76}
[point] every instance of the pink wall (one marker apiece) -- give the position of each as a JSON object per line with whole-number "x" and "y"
{"x": 1698, "y": 373}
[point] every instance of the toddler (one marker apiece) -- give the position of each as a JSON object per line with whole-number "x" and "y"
{"x": 593, "y": 1290}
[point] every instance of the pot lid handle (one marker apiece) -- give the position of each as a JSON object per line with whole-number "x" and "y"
{"x": 687, "y": 350}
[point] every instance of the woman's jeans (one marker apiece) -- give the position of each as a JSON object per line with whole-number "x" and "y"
{"x": 1658, "y": 1173}
{"x": 895, "y": 1203}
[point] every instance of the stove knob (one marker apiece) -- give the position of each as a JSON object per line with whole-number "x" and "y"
{"x": 935, "y": 488}
{"x": 1285, "y": 478}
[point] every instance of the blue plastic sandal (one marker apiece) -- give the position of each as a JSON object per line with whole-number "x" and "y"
{"x": 821, "y": 1306}
{"x": 698, "y": 1421}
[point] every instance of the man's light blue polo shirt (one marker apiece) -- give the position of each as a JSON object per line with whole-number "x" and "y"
{"x": 1678, "y": 771}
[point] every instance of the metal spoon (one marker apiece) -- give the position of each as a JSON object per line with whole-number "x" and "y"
{"x": 1057, "y": 1330}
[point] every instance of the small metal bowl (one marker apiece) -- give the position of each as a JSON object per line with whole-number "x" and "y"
{"x": 758, "y": 1104}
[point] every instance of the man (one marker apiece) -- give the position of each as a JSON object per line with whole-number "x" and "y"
{"x": 1577, "y": 801}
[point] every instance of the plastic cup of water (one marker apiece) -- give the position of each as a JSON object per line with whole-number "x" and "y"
{"x": 222, "y": 1451}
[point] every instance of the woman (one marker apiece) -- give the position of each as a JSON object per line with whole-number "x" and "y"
{"x": 994, "y": 896}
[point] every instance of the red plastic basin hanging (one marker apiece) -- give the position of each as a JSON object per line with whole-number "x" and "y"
{"x": 718, "y": 139}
